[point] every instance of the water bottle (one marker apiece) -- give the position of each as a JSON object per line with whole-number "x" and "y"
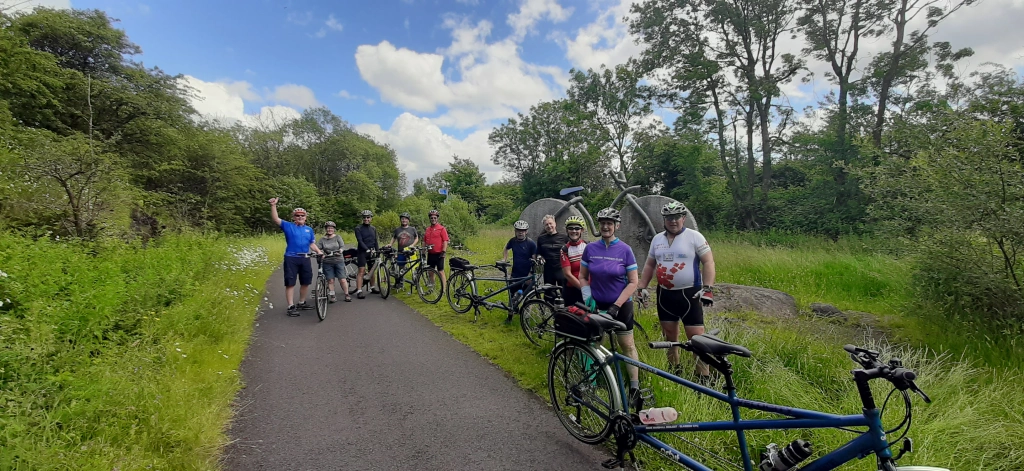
{"x": 658, "y": 415}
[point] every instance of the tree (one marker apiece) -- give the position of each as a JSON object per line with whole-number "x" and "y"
{"x": 462, "y": 178}
{"x": 614, "y": 100}
{"x": 82, "y": 40}
{"x": 551, "y": 147}
{"x": 724, "y": 54}
{"x": 891, "y": 65}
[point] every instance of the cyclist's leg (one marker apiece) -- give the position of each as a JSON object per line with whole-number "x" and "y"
{"x": 693, "y": 322}
{"x": 305, "y": 278}
{"x": 625, "y": 339}
{"x": 361, "y": 263}
{"x": 672, "y": 308}
{"x": 290, "y": 273}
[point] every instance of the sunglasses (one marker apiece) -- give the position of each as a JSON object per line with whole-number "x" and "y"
{"x": 574, "y": 228}
{"x": 674, "y": 217}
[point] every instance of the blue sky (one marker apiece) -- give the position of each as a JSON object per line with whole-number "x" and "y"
{"x": 430, "y": 78}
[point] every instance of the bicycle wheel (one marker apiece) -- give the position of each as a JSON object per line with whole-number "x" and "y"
{"x": 459, "y": 292}
{"x": 428, "y": 285}
{"x": 383, "y": 281}
{"x": 582, "y": 392}
{"x": 320, "y": 294}
{"x": 537, "y": 318}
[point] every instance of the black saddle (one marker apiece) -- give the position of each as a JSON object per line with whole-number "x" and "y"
{"x": 711, "y": 345}
{"x": 606, "y": 323}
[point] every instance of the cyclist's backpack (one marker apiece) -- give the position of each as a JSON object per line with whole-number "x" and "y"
{"x": 458, "y": 263}
{"x": 350, "y": 254}
{"x": 579, "y": 326}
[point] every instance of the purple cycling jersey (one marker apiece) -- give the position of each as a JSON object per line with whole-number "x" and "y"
{"x": 609, "y": 266}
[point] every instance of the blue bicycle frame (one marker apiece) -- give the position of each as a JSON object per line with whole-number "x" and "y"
{"x": 871, "y": 442}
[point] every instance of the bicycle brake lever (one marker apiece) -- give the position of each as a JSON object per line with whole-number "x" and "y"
{"x": 913, "y": 387}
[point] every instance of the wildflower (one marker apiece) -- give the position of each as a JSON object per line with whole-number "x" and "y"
{"x": 177, "y": 349}
{"x": 2, "y": 274}
{"x": 225, "y": 356}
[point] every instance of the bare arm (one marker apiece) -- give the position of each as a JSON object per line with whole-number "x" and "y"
{"x": 649, "y": 267}
{"x": 707, "y": 269}
{"x": 273, "y": 212}
{"x": 584, "y": 276}
{"x": 569, "y": 279}
{"x": 629, "y": 290}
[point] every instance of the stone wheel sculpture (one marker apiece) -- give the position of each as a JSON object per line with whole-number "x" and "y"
{"x": 633, "y": 230}
{"x": 535, "y": 212}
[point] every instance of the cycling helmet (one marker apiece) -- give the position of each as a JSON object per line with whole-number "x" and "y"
{"x": 330, "y": 224}
{"x": 366, "y": 212}
{"x": 609, "y": 213}
{"x": 521, "y": 225}
{"x": 434, "y": 212}
{"x": 298, "y": 212}
{"x": 405, "y": 215}
{"x": 673, "y": 208}
{"x": 575, "y": 220}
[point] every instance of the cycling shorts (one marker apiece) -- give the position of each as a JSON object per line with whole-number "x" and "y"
{"x": 679, "y": 306}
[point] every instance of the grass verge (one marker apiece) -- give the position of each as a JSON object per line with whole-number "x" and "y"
{"x": 121, "y": 357}
{"x": 974, "y": 422}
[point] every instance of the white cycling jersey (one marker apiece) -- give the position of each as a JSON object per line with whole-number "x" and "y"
{"x": 679, "y": 263}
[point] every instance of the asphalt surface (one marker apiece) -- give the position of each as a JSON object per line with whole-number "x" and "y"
{"x": 378, "y": 386}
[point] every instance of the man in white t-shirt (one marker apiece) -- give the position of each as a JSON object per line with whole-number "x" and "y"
{"x": 681, "y": 259}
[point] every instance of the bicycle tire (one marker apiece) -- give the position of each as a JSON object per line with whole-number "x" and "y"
{"x": 321, "y": 297}
{"x": 537, "y": 318}
{"x": 567, "y": 370}
{"x": 429, "y": 292}
{"x": 462, "y": 285}
{"x": 383, "y": 280}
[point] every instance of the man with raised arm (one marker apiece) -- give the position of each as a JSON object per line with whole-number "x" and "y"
{"x": 300, "y": 240}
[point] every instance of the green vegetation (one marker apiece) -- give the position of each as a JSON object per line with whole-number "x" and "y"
{"x": 973, "y": 422}
{"x": 121, "y": 357}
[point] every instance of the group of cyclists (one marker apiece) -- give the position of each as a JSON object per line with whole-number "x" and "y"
{"x": 301, "y": 241}
{"x": 602, "y": 274}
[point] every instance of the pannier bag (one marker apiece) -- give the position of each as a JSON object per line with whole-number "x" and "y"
{"x": 458, "y": 263}
{"x": 570, "y": 324}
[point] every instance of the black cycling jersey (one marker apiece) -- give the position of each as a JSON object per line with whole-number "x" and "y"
{"x": 366, "y": 237}
{"x": 549, "y": 246}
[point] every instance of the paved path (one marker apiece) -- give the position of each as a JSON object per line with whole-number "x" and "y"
{"x": 378, "y": 386}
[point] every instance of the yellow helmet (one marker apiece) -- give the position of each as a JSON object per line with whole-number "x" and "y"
{"x": 571, "y": 220}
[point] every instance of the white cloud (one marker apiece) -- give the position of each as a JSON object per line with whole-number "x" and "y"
{"x": 605, "y": 41}
{"x": 532, "y": 11}
{"x": 16, "y": 6}
{"x": 423, "y": 149}
{"x": 493, "y": 80}
{"x": 292, "y": 94}
{"x": 348, "y": 96}
{"x": 333, "y": 23}
{"x": 225, "y": 102}
{"x": 301, "y": 19}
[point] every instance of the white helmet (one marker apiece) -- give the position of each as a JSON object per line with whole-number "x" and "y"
{"x": 521, "y": 225}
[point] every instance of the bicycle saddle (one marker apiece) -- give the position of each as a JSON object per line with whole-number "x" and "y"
{"x": 569, "y": 191}
{"x": 606, "y": 323}
{"x": 712, "y": 345}
{"x": 500, "y": 263}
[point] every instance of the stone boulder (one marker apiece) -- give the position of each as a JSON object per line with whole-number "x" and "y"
{"x": 826, "y": 310}
{"x": 729, "y": 297}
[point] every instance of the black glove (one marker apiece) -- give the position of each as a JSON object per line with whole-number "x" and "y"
{"x": 613, "y": 310}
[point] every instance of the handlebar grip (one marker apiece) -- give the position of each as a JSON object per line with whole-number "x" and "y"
{"x": 850, "y": 348}
{"x": 903, "y": 374}
{"x": 659, "y": 345}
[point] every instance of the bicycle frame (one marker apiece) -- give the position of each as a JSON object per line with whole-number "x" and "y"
{"x": 872, "y": 441}
{"x": 510, "y": 283}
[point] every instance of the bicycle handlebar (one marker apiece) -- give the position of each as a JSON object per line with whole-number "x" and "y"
{"x": 894, "y": 372}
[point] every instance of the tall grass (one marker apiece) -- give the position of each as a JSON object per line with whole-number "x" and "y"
{"x": 974, "y": 422}
{"x": 119, "y": 357}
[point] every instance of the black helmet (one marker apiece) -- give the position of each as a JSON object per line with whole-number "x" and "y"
{"x": 609, "y": 213}
{"x": 330, "y": 224}
{"x": 405, "y": 215}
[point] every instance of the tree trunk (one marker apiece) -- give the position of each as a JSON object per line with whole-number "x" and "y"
{"x": 890, "y": 74}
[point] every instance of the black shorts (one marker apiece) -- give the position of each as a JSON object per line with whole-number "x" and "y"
{"x": 436, "y": 260}
{"x": 625, "y": 315}
{"x": 297, "y": 266}
{"x": 679, "y": 305}
{"x": 571, "y": 296}
{"x": 361, "y": 258}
